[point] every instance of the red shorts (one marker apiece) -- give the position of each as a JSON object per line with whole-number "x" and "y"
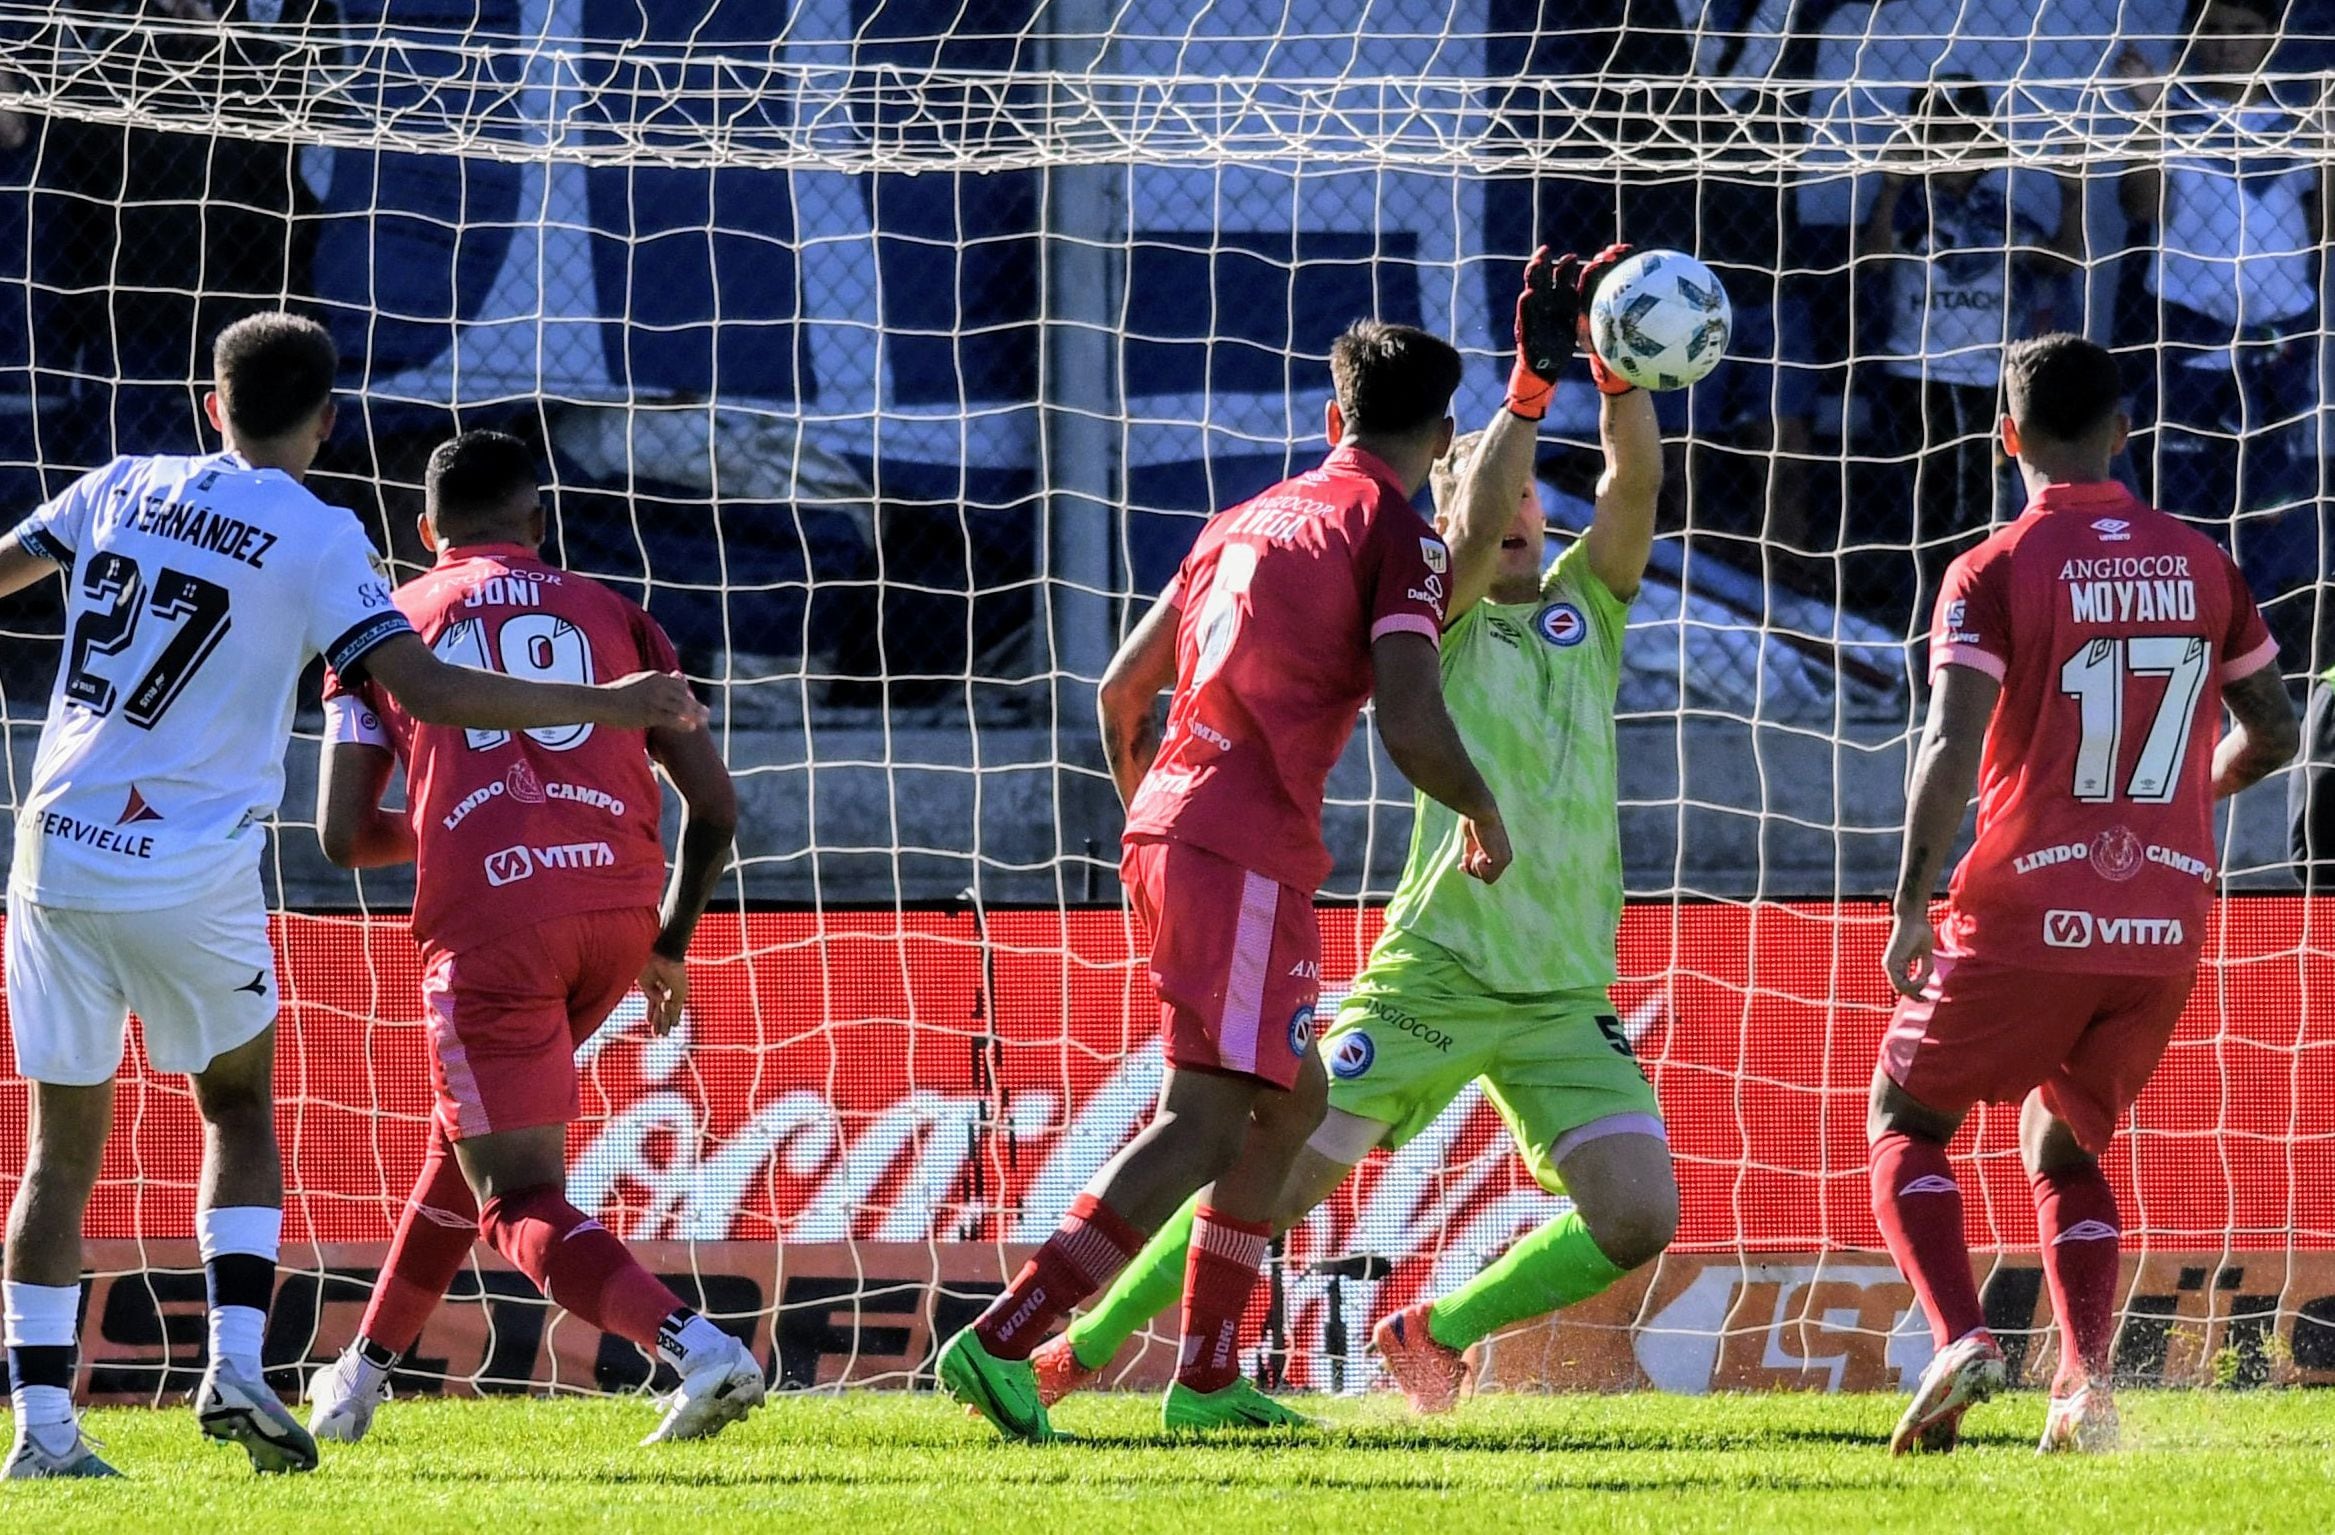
{"x": 1985, "y": 1033}
{"x": 1237, "y": 959}
{"x": 505, "y": 1017}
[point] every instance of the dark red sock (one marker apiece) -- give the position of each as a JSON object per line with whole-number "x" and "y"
{"x": 1092, "y": 1244}
{"x": 1220, "y": 1274}
{"x": 2077, "y": 1224}
{"x": 578, "y": 1263}
{"x": 434, "y": 1236}
{"x": 1919, "y": 1207}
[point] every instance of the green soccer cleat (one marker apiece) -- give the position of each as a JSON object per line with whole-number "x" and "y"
{"x": 1005, "y": 1391}
{"x": 1238, "y": 1406}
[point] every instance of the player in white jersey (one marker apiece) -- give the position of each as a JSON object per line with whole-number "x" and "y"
{"x": 197, "y": 591}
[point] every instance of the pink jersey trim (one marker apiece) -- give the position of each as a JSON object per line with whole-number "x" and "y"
{"x": 1252, "y": 962}
{"x": 1407, "y": 623}
{"x": 1964, "y": 655}
{"x": 2242, "y": 667}
{"x": 461, "y": 1082}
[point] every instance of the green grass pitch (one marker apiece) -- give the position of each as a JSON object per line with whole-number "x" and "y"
{"x": 819, "y": 1464}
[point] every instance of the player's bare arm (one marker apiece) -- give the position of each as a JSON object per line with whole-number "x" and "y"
{"x": 20, "y": 567}
{"x": 709, "y": 826}
{"x": 1128, "y": 699}
{"x": 1945, "y": 773}
{"x": 352, "y": 777}
{"x": 2267, "y": 734}
{"x": 1620, "y": 538}
{"x": 1425, "y": 745}
{"x": 436, "y": 693}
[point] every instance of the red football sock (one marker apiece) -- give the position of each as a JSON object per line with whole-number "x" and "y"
{"x": 434, "y": 1235}
{"x": 1093, "y": 1243}
{"x": 1220, "y": 1273}
{"x": 2075, "y": 1218}
{"x": 1919, "y": 1207}
{"x": 578, "y": 1263}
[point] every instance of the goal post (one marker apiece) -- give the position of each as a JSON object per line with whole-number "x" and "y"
{"x": 893, "y": 353}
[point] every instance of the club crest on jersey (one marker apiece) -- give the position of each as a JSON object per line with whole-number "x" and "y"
{"x": 1437, "y": 557}
{"x": 2116, "y": 854}
{"x": 523, "y": 785}
{"x": 2112, "y": 530}
{"x": 1351, "y": 1056}
{"x": 1301, "y": 1029}
{"x": 1561, "y": 624}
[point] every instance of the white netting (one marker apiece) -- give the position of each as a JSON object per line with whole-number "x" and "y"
{"x": 891, "y": 351}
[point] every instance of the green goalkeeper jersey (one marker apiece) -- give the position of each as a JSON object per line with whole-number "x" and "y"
{"x": 1531, "y": 688}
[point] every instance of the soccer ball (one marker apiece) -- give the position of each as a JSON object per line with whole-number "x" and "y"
{"x": 1661, "y": 320}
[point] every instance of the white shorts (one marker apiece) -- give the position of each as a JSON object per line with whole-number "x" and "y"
{"x": 201, "y": 978}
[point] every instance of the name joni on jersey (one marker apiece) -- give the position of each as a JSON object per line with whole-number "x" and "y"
{"x": 2130, "y": 588}
{"x": 511, "y": 589}
{"x": 203, "y": 528}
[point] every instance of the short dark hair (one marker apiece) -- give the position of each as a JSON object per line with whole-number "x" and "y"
{"x": 273, "y": 372}
{"x": 474, "y": 477}
{"x": 2061, "y": 387}
{"x": 1392, "y": 379}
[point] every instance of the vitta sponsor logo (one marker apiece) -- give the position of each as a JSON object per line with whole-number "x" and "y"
{"x": 1561, "y": 624}
{"x": 509, "y": 866}
{"x": 2063, "y": 929}
{"x": 2067, "y": 929}
{"x": 2112, "y": 530}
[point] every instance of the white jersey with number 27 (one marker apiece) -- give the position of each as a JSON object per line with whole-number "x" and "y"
{"x": 197, "y": 590}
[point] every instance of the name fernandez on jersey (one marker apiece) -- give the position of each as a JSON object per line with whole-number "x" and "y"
{"x": 203, "y": 528}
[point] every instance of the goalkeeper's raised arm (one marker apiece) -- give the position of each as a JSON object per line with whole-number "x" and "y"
{"x": 1490, "y": 515}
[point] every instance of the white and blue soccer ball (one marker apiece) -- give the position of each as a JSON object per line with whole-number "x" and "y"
{"x": 1661, "y": 320}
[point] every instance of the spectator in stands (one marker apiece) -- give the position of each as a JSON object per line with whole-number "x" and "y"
{"x": 1958, "y": 253}
{"x": 2232, "y": 281}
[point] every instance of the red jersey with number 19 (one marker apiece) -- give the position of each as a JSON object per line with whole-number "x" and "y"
{"x": 516, "y": 828}
{"x": 2113, "y": 629}
{"x": 1281, "y": 598}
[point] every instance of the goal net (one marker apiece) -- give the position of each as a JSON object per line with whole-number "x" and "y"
{"x": 892, "y": 353}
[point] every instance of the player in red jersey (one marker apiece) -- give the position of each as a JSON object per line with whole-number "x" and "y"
{"x": 2079, "y": 659}
{"x": 538, "y": 867}
{"x": 1290, "y": 612}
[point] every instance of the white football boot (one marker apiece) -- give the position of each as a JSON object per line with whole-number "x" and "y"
{"x": 235, "y": 1409}
{"x": 1964, "y": 1373}
{"x": 2081, "y": 1423}
{"x": 344, "y": 1395}
{"x": 721, "y": 1385}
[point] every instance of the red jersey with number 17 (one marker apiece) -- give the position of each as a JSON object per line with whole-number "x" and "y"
{"x": 515, "y": 828}
{"x": 1281, "y": 598}
{"x": 2113, "y": 629}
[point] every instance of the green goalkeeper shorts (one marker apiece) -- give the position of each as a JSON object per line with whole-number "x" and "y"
{"x": 1417, "y": 1029}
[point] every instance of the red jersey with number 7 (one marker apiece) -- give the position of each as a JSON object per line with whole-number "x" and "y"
{"x": 1281, "y": 599}
{"x": 2113, "y": 629}
{"x": 517, "y": 827}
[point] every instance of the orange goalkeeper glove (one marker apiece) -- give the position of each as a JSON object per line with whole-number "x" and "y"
{"x": 1593, "y": 272}
{"x": 1548, "y": 324}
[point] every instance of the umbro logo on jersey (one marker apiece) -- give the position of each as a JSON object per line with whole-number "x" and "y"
{"x": 135, "y": 809}
{"x": 1930, "y": 1183}
{"x": 2087, "y": 1231}
{"x": 2112, "y": 530}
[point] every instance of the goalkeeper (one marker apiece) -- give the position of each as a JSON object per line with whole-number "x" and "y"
{"x": 1504, "y": 983}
